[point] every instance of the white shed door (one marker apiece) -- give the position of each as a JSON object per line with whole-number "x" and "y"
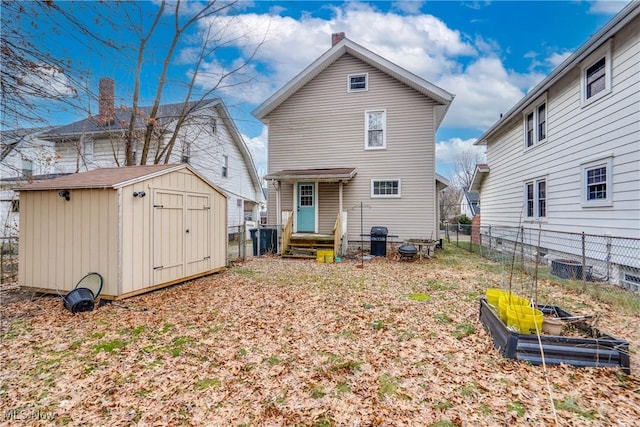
{"x": 197, "y": 244}
{"x": 168, "y": 236}
{"x": 181, "y": 224}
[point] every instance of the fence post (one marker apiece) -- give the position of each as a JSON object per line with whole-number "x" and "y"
{"x": 490, "y": 242}
{"x": 522, "y": 247}
{"x": 608, "y": 258}
{"x": 584, "y": 263}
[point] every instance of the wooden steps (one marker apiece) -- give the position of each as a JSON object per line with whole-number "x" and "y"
{"x": 307, "y": 245}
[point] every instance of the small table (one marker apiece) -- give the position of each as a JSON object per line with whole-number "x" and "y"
{"x": 422, "y": 245}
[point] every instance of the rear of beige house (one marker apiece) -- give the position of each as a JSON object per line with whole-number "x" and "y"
{"x": 140, "y": 227}
{"x": 321, "y": 127}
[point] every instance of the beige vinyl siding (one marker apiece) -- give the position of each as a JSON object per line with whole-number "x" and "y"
{"x": 322, "y": 126}
{"x": 607, "y": 128}
{"x": 59, "y": 245}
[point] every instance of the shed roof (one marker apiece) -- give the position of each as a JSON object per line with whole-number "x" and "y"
{"x": 106, "y": 178}
{"x": 346, "y": 46}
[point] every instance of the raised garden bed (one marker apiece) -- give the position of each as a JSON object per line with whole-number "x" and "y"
{"x": 601, "y": 351}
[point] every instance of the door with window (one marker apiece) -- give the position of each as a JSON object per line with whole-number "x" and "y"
{"x": 306, "y": 209}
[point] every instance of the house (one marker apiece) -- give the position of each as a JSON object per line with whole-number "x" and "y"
{"x": 566, "y": 158}
{"x": 469, "y": 203}
{"x": 208, "y": 141}
{"x": 24, "y": 158}
{"x": 139, "y": 227}
{"x": 352, "y": 146}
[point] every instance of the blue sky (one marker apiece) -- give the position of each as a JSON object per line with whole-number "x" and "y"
{"x": 487, "y": 53}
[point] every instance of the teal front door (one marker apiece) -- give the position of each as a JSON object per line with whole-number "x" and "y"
{"x": 306, "y": 207}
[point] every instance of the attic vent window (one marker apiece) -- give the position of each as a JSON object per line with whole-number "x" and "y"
{"x": 357, "y": 82}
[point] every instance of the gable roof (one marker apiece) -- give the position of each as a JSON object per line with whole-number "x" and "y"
{"x": 346, "y": 46}
{"x": 166, "y": 114}
{"x": 626, "y": 15}
{"x": 122, "y": 116}
{"x": 12, "y": 138}
{"x": 110, "y": 178}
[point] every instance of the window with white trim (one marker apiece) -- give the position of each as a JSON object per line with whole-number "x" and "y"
{"x": 225, "y": 166}
{"x": 596, "y": 75}
{"x": 535, "y": 192}
{"x": 27, "y": 168}
{"x": 375, "y": 133}
{"x": 386, "y": 188}
{"x": 358, "y": 82}
{"x": 87, "y": 150}
{"x": 597, "y": 183}
{"x": 535, "y": 125}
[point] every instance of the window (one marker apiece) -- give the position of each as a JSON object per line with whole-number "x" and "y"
{"x": 87, "y": 150}
{"x": 596, "y": 75}
{"x": 186, "y": 153}
{"x": 529, "y": 130}
{"x": 596, "y": 183}
{"x": 225, "y": 166}
{"x": 542, "y": 122}
{"x": 214, "y": 125}
{"x": 357, "y": 82}
{"x": 536, "y": 198}
{"x": 27, "y": 168}
{"x": 15, "y": 205}
{"x": 535, "y": 125}
{"x": 375, "y": 134}
{"x": 385, "y": 188}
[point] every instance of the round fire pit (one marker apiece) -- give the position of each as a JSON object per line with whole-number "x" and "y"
{"x": 407, "y": 252}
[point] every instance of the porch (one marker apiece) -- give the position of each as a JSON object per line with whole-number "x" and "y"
{"x": 310, "y": 204}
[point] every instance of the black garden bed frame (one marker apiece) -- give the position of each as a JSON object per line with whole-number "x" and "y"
{"x": 603, "y": 351}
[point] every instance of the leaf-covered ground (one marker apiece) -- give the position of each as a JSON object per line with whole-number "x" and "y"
{"x": 278, "y": 342}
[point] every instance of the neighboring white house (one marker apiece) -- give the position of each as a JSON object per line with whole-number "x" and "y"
{"x": 24, "y": 158}
{"x": 469, "y": 203}
{"x": 352, "y": 130}
{"x": 209, "y": 142}
{"x": 566, "y": 158}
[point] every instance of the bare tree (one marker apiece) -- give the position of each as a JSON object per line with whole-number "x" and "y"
{"x": 161, "y": 30}
{"x": 34, "y": 79}
{"x": 465, "y": 166}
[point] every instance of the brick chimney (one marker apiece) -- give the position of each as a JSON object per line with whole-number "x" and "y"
{"x": 335, "y": 38}
{"x": 106, "y": 100}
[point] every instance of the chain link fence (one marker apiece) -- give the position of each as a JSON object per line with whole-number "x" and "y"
{"x": 9, "y": 260}
{"x": 251, "y": 240}
{"x": 577, "y": 256}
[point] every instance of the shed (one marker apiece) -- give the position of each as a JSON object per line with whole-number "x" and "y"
{"x": 140, "y": 227}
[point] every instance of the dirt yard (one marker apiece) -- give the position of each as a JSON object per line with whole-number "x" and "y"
{"x": 284, "y": 342}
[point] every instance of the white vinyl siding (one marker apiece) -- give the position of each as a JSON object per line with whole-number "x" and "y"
{"x": 336, "y": 140}
{"x": 386, "y": 188}
{"x": 357, "y": 82}
{"x": 375, "y": 123}
{"x": 577, "y": 136}
{"x": 596, "y": 75}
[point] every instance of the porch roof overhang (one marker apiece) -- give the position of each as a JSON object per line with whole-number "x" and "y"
{"x": 317, "y": 175}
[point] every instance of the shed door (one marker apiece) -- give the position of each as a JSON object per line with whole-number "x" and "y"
{"x": 168, "y": 236}
{"x": 197, "y": 244}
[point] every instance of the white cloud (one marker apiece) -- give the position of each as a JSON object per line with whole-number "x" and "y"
{"x": 423, "y": 44}
{"x": 449, "y": 151}
{"x": 258, "y": 148}
{"x": 45, "y": 81}
{"x": 606, "y": 7}
{"x": 556, "y": 58}
{"x": 408, "y": 6}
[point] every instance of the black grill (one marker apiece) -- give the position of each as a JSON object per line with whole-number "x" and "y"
{"x": 379, "y": 240}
